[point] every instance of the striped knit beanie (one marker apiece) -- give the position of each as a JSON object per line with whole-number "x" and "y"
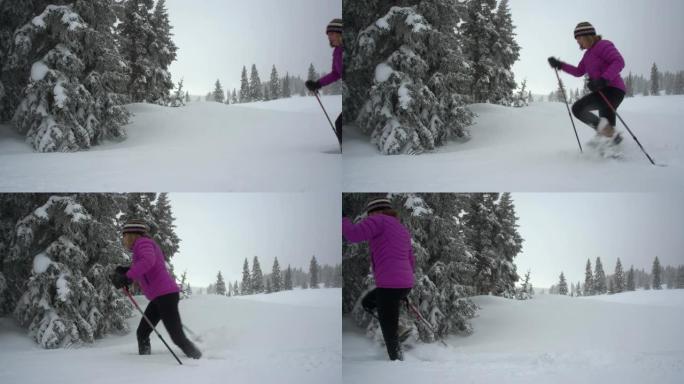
{"x": 136, "y": 226}
{"x": 378, "y": 205}
{"x": 334, "y": 26}
{"x": 584, "y": 29}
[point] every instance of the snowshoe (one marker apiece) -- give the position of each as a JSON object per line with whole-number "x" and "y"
{"x": 144, "y": 347}
{"x": 609, "y": 147}
{"x": 191, "y": 351}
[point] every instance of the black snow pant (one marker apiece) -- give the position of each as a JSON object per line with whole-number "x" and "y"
{"x": 338, "y": 128}
{"x": 387, "y": 301}
{"x": 165, "y": 308}
{"x": 582, "y": 108}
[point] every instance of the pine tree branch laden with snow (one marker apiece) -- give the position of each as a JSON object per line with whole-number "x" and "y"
{"x": 68, "y": 246}
{"x": 413, "y": 103}
{"x": 73, "y": 97}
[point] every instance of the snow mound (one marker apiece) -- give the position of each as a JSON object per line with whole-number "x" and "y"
{"x": 271, "y": 339}
{"x": 623, "y": 338}
{"x": 284, "y": 145}
{"x": 530, "y": 149}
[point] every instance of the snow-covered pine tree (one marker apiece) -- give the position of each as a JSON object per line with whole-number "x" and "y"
{"x": 680, "y": 277}
{"x": 236, "y": 288}
{"x": 562, "y": 285}
{"x": 218, "y": 92}
{"x": 631, "y": 286}
{"x": 59, "y": 257}
{"x": 220, "y": 284}
{"x": 619, "y": 277}
{"x": 521, "y": 98}
{"x": 286, "y": 86}
{"x": 313, "y": 272}
{"x": 655, "y": 80}
{"x": 288, "y": 278}
{"x": 311, "y": 74}
{"x": 183, "y": 285}
{"x": 492, "y": 235}
{"x": 163, "y": 229}
{"x": 277, "y": 283}
{"x": 406, "y": 75}
{"x": 656, "y": 270}
{"x": 246, "y": 287}
{"x": 255, "y": 92}
{"x": 147, "y": 45}
{"x": 179, "y": 97}
{"x": 233, "y": 98}
{"x": 599, "y": 278}
{"x": 588, "y": 280}
{"x": 163, "y": 53}
{"x": 136, "y": 32}
{"x": 257, "y": 277}
{"x": 276, "y": 92}
{"x": 629, "y": 85}
{"x": 578, "y": 289}
{"x": 63, "y": 76}
{"x": 245, "y": 96}
{"x": 524, "y": 291}
{"x": 506, "y": 52}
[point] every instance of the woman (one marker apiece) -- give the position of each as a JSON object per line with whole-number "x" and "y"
{"x": 602, "y": 63}
{"x": 334, "y": 32}
{"x": 149, "y": 271}
{"x": 393, "y": 265}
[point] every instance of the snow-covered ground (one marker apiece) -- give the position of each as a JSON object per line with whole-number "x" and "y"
{"x": 285, "y": 337}
{"x": 281, "y": 145}
{"x": 531, "y": 149}
{"x": 632, "y": 337}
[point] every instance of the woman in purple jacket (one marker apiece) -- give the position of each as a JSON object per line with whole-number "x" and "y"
{"x": 393, "y": 265}
{"x": 602, "y": 63}
{"x": 149, "y": 271}
{"x": 334, "y": 32}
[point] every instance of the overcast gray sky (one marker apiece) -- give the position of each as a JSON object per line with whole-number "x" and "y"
{"x": 645, "y": 31}
{"x": 215, "y": 38}
{"x": 219, "y": 230}
{"x": 562, "y": 230}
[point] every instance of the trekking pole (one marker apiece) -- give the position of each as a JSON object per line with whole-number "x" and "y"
{"x": 625, "y": 124}
{"x": 150, "y": 323}
{"x": 416, "y": 312}
{"x": 560, "y": 84}
{"x": 328, "y": 117}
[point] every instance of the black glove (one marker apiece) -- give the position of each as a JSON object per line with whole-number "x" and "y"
{"x": 119, "y": 278}
{"x": 597, "y": 85}
{"x": 312, "y": 86}
{"x": 555, "y": 63}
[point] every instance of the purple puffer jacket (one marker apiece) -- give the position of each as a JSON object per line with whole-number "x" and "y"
{"x": 149, "y": 269}
{"x": 390, "y": 247}
{"x": 336, "y": 73}
{"x": 602, "y": 60}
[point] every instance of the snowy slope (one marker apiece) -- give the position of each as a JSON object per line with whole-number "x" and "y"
{"x": 286, "y": 337}
{"x": 281, "y": 145}
{"x": 550, "y": 339}
{"x": 530, "y": 149}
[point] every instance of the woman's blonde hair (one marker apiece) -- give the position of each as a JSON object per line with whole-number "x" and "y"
{"x": 593, "y": 38}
